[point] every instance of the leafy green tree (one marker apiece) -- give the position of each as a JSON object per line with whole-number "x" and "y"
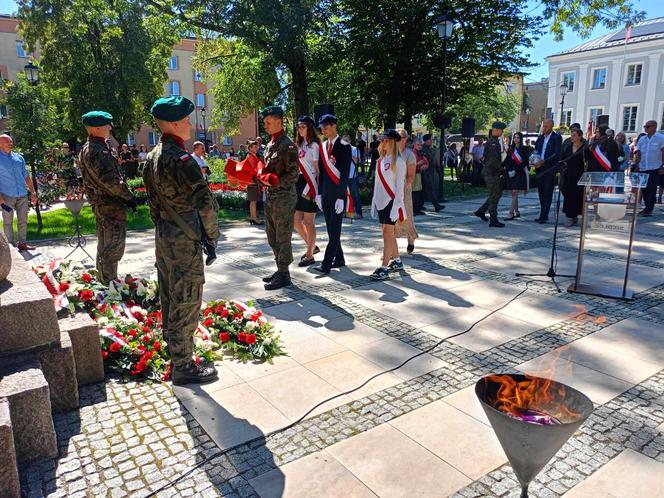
{"x": 496, "y": 105}
{"x": 109, "y": 55}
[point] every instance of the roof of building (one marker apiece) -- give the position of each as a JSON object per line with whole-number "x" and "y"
{"x": 651, "y": 29}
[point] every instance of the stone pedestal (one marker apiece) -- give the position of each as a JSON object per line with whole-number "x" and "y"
{"x": 84, "y": 334}
{"x": 60, "y": 372}
{"x": 5, "y": 257}
{"x": 9, "y": 483}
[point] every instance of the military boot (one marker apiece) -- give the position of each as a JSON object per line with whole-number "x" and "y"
{"x": 481, "y": 215}
{"x": 269, "y": 278}
{"x": 281, "y": 279}
{"x": 194, "y": 374}
{"x": 495, "y": 223}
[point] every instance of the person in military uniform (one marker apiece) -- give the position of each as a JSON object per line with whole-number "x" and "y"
{"x": 279, "y": 176}
{"x": 107, "y": 192}
{"x": 493, "y": 168}
{"x": 184, "y": 212}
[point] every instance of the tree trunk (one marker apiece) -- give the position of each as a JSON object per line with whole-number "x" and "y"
{"x": 298, "y": 72}
{"x": 408, "y": 119}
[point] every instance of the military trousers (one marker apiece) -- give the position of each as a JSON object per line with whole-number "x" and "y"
{"x": 181, "y": 278}
{"x": 111, "y": 234}
{"x": 279, "y": 212}
{"x": 495, "y": 190}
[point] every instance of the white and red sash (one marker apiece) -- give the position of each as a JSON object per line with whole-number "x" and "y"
{"x": 311, "y": 188}
{"x": 329, "y": 162}
{"x": 517, "y": 157}
{"x": 601, "y": 158}
{"x": 386, "y": 186}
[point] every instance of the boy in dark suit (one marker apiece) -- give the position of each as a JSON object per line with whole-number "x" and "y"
{"x": 335, "y": 159}
{"x": 548, "y": 146}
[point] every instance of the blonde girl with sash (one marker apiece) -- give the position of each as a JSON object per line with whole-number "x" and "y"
{"x": 308, "y": 145}
{"x": 388, "y": 203}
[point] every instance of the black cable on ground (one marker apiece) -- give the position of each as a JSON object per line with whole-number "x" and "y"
{"x": 299, "y": 420}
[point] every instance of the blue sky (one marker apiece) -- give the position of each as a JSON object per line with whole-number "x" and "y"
{"x": 542, "y": 48}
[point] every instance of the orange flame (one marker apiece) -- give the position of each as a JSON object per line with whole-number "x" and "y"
{"x": 534, "y": 393}
{"x": 600, "y": 320}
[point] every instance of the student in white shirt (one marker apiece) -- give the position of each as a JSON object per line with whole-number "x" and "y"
{"x": 308, "y": 147}
{"x": 388, "y": 200}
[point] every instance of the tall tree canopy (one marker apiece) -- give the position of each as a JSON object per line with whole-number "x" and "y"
{"x": 108, "y": 54}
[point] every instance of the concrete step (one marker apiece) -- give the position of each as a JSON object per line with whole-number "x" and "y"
{"x": 23, "y": 384}
{"x": 9, "y": 481}
{"x": 84, "y": 335}
{"x": 60, "y": 372}
{"x": 27, "y": 315}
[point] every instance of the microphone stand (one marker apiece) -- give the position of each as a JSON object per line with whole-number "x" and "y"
{"x": 551, "y": 272}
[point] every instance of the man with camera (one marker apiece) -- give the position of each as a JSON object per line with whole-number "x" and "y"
{"x": 185, "y": 214}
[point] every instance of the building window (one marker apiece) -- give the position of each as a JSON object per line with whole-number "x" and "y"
{"x": 569, "y": 79}
{"x": 661, "y": 116}
{"x": 20, "y": 49}
{"x": 567, "y": 117}
{"x": 173, "y": 62}
{"x": 629, "y": 117}
{"x": 3, "y": 111}
{"x": 634, "y": 74}
{"x": 228, "y": 140}
{"x": 131, "y": 139}
{"x": 595, "y": 112}
{"x": 599, "y": 78}
{"x": 200, "y": 100}
{"x": 153, "y": 138}
{"x": 198, "y": 76}
{"x": 174, "y": 88}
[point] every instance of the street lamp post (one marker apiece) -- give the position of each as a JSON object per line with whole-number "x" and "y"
{"x": 563, "y": 92}
{"x": 444, "y": 26}
{"x": 527, "y": 119}
{"x": 204, "y": 129}
{"x": 32, "y": 75}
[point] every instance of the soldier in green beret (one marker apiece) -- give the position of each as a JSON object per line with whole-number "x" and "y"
{"x": 182, "y": 209}
{"x": 107, "y": 192}
{"x": 279, "y": 177}
{"x": 493, "y": 168}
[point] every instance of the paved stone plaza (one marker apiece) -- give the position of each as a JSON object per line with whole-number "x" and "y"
{"x": 414, "y": 432}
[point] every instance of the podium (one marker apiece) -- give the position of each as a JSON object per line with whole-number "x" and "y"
{"x": 610, "y": 206}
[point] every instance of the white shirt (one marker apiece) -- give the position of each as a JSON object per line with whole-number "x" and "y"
{"x": 142, "y": 156}
{"x": 355, "y": 160}
{"x": 200, "y": 160}
{"x": 651, "y": 151}
{"x": 395, "y": 179}
{"x": 308, "y": 153}
{"x": 545, "y": 143}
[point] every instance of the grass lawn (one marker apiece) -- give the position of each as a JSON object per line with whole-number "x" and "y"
{"x": 59, "y": 223}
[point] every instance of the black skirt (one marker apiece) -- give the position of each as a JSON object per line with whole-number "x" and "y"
{"x": 518, "y": 181}
{"x": 303, "y": 204}
{"x": 384, "y": 215}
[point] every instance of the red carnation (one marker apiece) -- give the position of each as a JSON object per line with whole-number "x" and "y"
{"x": 242, "y": 337}
{"x": 146, "y": 329}
{"x": 237, "y": 316}
{"x": 224, "y": 337}
{"x": 102, "y": 308}
{"x": 115, "y": 347}
{"x": 63, "y": 286}
{"x": 141, "y": 348}
{"x": 86, "y": 295}
{"x": 146, "y": 338}
{"x": 149, "y": 322}
{"x": 198, "y": 360}
{"x": 224, "y": 313}
{"x": 207, "y": 312}
{"x": 240, "y": 307}
{"x": 104, "y": 354}
{"x": 86, "y": 277}
{"x": 132, "y": 332}
{"x": 157, "y": 345}
{"x": 250, "y": 338}
{"x": 219, "y": 309}
{"x": 208, "y": 322}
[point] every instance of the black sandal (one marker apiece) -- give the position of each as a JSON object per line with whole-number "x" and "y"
{"x": 306, "y": 262}
{"x": 410, "y": 248}
{"x": 316, "y": 249}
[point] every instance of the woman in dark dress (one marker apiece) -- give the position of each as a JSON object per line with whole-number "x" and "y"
{"x": 253, "y": 190}
{"x": 516, "y": 166}
{"x": 603, "y": 152}
{"x": 575, "y": 159}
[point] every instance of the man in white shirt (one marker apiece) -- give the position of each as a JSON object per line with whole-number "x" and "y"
{"x": 199, "y": 156}
{"x": 649, "y": 157}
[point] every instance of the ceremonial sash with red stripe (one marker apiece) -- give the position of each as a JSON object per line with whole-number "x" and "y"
{"x": 386, "y": 186}
{"x": 517, "y": 157}
{"x": 330, "y": 168}
{"x": 601, "y": 158}
{"x": 310, "y": 189}
{"x": 350, "y": 207}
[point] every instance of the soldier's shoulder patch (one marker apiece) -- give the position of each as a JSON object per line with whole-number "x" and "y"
{"x": 185, "y": 157}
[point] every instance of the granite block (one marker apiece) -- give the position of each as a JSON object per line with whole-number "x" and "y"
{"x": 84, "y": 335}
{"x": 60, "y": 372}
{"x": 9, "y": 481}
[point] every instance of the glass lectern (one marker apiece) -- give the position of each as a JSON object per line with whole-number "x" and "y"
{"x": 610, "y": 205}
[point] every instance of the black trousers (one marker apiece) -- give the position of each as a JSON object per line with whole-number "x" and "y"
{"x": 545, "y": 184}
{"x": 650, "y": 192}
{"x": 333, "y": 221}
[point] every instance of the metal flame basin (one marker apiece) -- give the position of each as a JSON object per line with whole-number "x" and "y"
{"x": 529, "y": 447}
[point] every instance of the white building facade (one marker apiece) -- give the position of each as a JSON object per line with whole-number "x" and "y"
{"x": 608, "y": 76}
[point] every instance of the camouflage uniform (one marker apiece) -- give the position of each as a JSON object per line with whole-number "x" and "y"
{"x": 281, "y": 159}
{"x": 109, "y": 196}
{"x": 179, "y": 181}
{"x": 493, "y": 166}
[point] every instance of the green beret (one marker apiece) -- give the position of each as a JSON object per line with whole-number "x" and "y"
{"x": 498, "y": 125}
{"x": 172, "y": 108}
{"x": 96, "y": 118}
{"x": 273, "y": 110}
